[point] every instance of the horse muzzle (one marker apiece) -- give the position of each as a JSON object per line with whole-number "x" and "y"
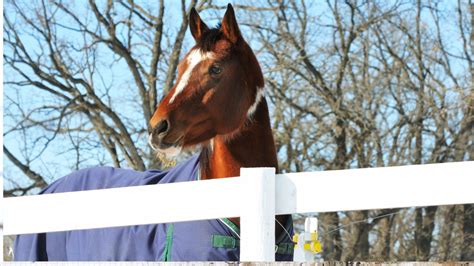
{"x": 159, "y": 140}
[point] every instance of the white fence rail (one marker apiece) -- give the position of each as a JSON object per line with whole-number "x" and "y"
{"x": 257, "y": 196}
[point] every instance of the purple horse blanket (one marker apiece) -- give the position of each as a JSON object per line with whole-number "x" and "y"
{"x": 209, "y": 240}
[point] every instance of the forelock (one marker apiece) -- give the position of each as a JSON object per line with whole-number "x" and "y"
{"x": 209, "y": 39}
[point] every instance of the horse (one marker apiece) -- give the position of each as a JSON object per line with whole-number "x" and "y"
{"x": 218, "y": 103}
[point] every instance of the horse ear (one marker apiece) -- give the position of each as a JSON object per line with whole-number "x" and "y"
{"x": 196, "y": 25}
{"x": 229, "y": 25}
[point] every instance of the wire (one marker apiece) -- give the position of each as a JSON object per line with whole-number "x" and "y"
{"x": 350, "y": 224}
{"x": 287, "y": 233}
{"x": 364, "y": 220}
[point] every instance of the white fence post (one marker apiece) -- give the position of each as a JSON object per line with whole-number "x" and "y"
{"x": 257, "y": 220}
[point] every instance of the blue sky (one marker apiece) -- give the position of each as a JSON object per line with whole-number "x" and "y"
{"x": 51, "y": 162}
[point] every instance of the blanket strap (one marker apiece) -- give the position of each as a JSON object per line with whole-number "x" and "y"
{"x": 166, "y": 256}
{"x": 220, "y": 241}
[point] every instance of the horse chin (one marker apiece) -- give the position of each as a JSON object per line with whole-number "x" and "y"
{"x": 171, "y": 152}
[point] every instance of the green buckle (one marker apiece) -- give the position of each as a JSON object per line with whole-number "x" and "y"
{"x": 285, "y": 248}
{"x": 219, "y": 241}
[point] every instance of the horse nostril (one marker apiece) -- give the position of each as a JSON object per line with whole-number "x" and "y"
{"x": 162, "y": 127}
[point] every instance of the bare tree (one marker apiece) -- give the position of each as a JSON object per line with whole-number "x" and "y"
{"x": 367, "y": 84}
{"x": 351, "y": 84}
{"x": 66, "y": 55}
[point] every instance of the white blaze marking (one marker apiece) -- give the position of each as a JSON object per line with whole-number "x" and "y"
{"x": 194, "y": 58}
{"x": 258, "y": 98}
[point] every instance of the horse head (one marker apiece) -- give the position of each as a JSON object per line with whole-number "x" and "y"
{"x": 218, "y": 87}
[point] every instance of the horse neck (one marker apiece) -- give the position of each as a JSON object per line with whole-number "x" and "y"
{"x": 251, "y": 146}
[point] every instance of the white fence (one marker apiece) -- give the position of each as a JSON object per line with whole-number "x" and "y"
{"x": 258, "y": 195}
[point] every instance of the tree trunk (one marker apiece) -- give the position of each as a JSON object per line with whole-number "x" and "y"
{"x": 467, "y": 252}
{"x": 358, "y": 242}
{"x": 383, "y": 247}
{"x": 447, "y": 225}
{"x": 424, "y": 231}
{"x": 331, "y": 238}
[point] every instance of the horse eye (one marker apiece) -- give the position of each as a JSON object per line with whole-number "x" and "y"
{"x": 214, "y": 70}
